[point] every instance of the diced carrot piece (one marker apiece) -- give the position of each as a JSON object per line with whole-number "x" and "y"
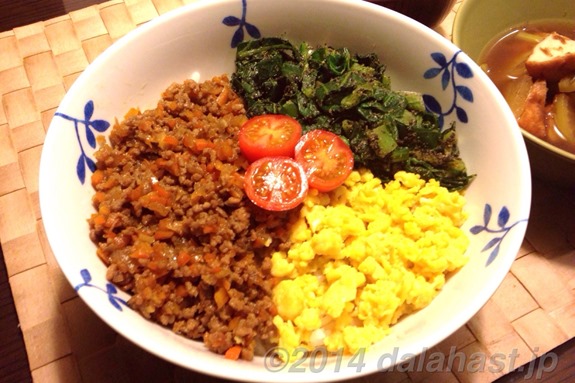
{"x": 188, "y": 141}
{"x": 221, "y": 297}
{"x": 172, "y": 106}
{"x": 110, "y": 234}
{"x": 138, "y": 255}
{"x": 164, "y": 224}
{"x": 201, "y": 143}
{"x": 163, "y": 234}
{"x": 153, "y": 265}
{"x": 233, "y": 353}
{"x": 207, "y": 229}
{"x": 183, "y": 258}
{"x": 226, "y": 283}
{"x": 132, "y": 112}
{"x": 171, "y": 122}
{"x": 187, "y": 115}
{"x": 97, "y": 177}
{"x": 145, "y": 125}
{"x": 234, "y": 322}
{"x": 98, "y": 219}
{"x": 99, "y": 197}
{"x": 104, "y": 209}
{"x": 168, "y": 142}
{"x": 224, "y": 151}
{"x": 159, "y": 195}
{"x": 160, "y": 190}
{"x": 141, "y": 250}
{"x": 169, "y": 165}
{"x": 109, "y": 183}
{"x": 181, "y": 291}
{"x": 136, "y": 193}
{"x": 159, "y": 110}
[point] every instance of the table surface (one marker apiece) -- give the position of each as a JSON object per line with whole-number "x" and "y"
{"x": 49, "y": 335}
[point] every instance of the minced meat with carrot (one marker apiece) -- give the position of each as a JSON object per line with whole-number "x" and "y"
{"x": 173, "y": 226}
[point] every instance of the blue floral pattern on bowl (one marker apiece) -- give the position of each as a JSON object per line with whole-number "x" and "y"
{"x": 450, "y": 72}
{"x": 499, "y": 232}
{"x": 84, "y": 161}
{"x": 241, "y": 23}
{"x": 110, "y": 290}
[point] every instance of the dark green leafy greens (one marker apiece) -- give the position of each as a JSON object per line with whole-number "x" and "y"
{"x": 350, "y": 95}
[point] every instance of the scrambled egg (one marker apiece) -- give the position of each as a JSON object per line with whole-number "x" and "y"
{"x": 364, "y": 255}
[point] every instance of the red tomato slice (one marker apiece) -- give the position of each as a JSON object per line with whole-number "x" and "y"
{"x": 276, "y": 183}
{"x": 326, "y": 158}
{"x": 269, "y": 135}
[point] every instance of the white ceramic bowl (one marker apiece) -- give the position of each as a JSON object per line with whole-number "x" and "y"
{"x": 194, "y": 42}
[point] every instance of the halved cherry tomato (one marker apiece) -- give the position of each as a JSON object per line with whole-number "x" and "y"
{"x": 269, "y": 135}
{"x": 326, "y": 158}
{"x": 276, "y": 183}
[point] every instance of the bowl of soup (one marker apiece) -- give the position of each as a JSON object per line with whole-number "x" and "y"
{"x": 527, "y": 48}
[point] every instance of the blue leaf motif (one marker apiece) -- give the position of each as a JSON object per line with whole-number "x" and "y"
{"x": 88, "y": 110}
{"x": 253, "y": 31}
{"x": 241, "y": 23}
{"x": 491, "y": 243}
{"x": 487, "y": 214}
{"x": 86, "y": 277}
{"x": 492, "y": 256}
{"x": 476, "y": 229}
{"x": 445, "y": 78}
{"x": 503, "y": 229}
{"x": 231, "y": 21}
{"x": 238, "y": 37}
{"x": 461, "y": 114}
{"x": 439, "y": 58}
{"x": 465, "y": 92}
{"x": 464, "y": 70}
{"x": 431, "y": 73}
{"x": 81, "y": 169}
{"x": 91, "y": 164}
{"x": 110, "y": 290}
{"x": 432, "y": 104}
{"x": 503, "y": 216}
{"x": 90, "y": 137}
{"x": 114, "y": 302}
{"x": 100, "y": 125}
{"x": 451, "y": 72}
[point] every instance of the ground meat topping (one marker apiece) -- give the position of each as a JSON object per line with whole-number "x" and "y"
{"x": 173, "y": 225}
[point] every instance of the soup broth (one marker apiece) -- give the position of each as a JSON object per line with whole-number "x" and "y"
{"x": 504, "y": 62}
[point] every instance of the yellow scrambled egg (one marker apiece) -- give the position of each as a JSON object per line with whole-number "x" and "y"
{"x": 362, "y": 256}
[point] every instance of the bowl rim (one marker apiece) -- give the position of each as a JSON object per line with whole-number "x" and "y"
{"x": 555, "y": 150}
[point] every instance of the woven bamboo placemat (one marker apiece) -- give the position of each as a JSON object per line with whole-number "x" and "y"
{"x": 531, "y": 313}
